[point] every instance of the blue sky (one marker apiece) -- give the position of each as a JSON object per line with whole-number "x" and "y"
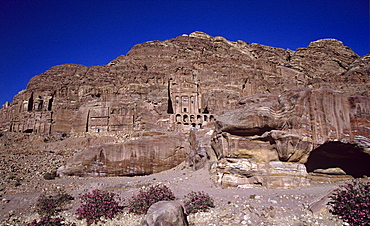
{"x": 38, "y": 34}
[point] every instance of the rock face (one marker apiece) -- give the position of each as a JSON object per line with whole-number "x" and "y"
{"x": 166, "y": 213}
{"x": 183, "y": 85}
{"x": 167, "y": 85}
{"x": 287, "y": 128}
{"x": 147, "y": 155}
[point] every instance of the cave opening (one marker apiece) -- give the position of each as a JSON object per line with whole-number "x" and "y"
{"x": 350, "y": 158}
{"x": 259, "y": 131}
{"x": 30, "y": 103}
{"x": 28, "y": 131}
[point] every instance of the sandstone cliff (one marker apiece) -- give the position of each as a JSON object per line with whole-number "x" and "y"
{"x": 193, "y": 80}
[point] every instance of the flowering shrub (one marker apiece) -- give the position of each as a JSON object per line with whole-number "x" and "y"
{"x": 140, "y": 203}
{"x": 48, "y": 204}
{"x": 98, "y": 204}
{"x": 352, "y": 202}
{"x": 197, "y": 202}
{"x": 47, "y": 221}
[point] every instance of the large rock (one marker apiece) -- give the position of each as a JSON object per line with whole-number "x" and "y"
{"x": 165, "y": 213}
{"x": 300, "y": 120}
{"x": 147, "y": 155}
{"x": 288, "y": 128}
{"x": 247, "y": 173}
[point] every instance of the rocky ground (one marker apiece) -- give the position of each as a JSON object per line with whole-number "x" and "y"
{"x": 234, "y": 206}
{"x": 22, "y": 182}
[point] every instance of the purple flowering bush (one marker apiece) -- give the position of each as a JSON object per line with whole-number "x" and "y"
{"x": 140, "y": 203}
{"x": 48, "y": 221}
{"x": 97, "y": 204}
{"x": 352, "y": 202}
{"x": 197, "y": 202}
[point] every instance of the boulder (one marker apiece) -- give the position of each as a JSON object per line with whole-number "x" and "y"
{"x": 165, "y": 213}
{"x": 234, "y": 172}
{"x": 147, "y": 155}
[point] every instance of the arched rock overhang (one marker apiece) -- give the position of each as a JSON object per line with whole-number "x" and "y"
{"x": 350, "y": 158}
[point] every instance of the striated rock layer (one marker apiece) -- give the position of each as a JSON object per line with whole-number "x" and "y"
{"x": 189, "y": 75}
{"x": 144, "y": 156}
{"x": 186, "y": 83}
{"x": 287, "y": 128}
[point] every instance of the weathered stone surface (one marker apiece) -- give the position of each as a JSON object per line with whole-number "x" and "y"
{"x": 332, "y": 171}
{"x": 274, "y": 174}
{"x": 147, "y": 155}
{"x": 136, "y": 91}
{"x": 165, "y": 213}
{"x": 201, "y": 152}
{"x": 188, "y": 82}
{"x": 288, "y": 128}
{"x": 300, "y": 120}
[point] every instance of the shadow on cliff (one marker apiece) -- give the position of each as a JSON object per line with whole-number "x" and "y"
{"x": 348, "y": 157}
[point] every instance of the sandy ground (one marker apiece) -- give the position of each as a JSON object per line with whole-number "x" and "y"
{"x": 234, "y": 206}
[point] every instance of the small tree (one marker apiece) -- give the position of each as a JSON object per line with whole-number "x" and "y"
{"x": 98, "y": 204}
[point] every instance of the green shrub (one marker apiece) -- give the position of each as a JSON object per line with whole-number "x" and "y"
{"x": 140, "y": 203}
{"x": 49, "y": 204}
{"x": 197, "y": 202}
{"x": 50, "y": 175}
{"x": 352, "y": 202}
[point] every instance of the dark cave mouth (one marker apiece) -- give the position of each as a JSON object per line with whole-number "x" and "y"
{"x": 350, "y": 158}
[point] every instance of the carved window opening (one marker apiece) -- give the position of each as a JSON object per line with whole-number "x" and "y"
{"x": 28, "y": 131}
{"x": 50, "y": 104}
{"x": 40, "y": 105}
{"x": 185, "y": 110}
{"x": 192, "y": 118}
{"x": 178, "y": 118}
{"x": 185, "y": 118}
{"x": 30, "y": 103}
{"x": 169, "y": 102}
{"x": 102, "y": 158}
{"x": 206, "y": 111}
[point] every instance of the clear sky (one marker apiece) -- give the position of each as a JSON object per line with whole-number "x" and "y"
{"x": 38, "y": 34}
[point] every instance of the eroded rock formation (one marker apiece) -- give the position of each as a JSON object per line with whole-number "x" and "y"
{"x": 186, "y": 83}
{"x": 142, "y": 156}
{"x": 287, "y": 128}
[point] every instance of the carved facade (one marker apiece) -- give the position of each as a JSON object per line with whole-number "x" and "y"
{"x": 175, "y": 85}
{"x": 49, "y": 113}
{"x": 185, "y": 105}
